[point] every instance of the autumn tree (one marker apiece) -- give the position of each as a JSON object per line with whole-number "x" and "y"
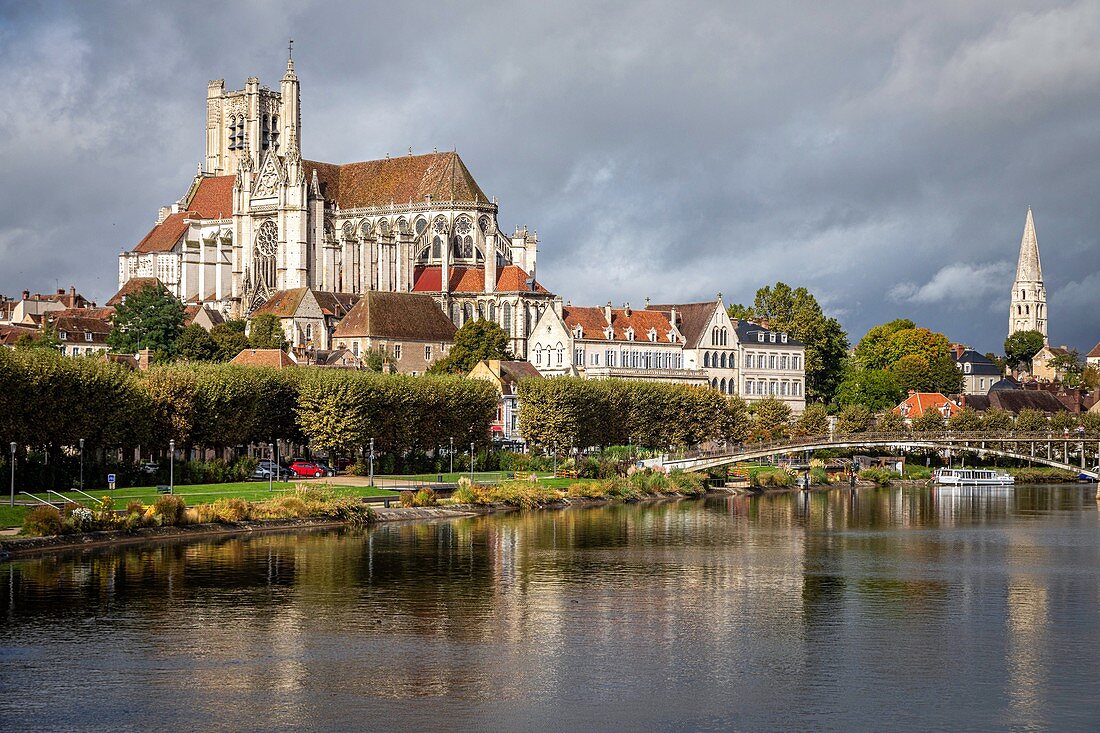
{"x": 814, "y": 420}
{"x": 854, "y": 419}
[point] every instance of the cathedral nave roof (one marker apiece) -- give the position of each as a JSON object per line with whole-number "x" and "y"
{"x": 397, "y": 180}
{"x": 510, "y": 279}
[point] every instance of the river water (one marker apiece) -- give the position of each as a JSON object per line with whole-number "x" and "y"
{"x": 880, "y": 610}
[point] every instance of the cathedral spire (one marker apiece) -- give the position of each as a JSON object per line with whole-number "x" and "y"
{"x": 1028, "y": 268}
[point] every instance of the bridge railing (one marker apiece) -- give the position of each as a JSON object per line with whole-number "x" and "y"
{"x": 939, "y": 438}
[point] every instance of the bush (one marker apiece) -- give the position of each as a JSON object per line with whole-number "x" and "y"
{"x": 425, "y": 497}
{"x": 135, "y": 507}
{"x": 768, "y": 476}
{"x": 408, "y": 498}
{"x": 42, "y": 521}
{"x": 915, "y": 471}
{"x": 819, "y": 476}
{"x": 688, "y": 484}
{"x": 465, "y": 494}
{"x": 170, "y": 509}
{"x": 880, "y": 476}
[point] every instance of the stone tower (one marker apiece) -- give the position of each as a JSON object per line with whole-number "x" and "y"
{"x": 250, "y": 122}
{"x": 1028, "y": 311}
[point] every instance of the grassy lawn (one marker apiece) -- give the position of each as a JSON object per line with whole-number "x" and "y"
{"x": 481, "y": 477}
{"x": 12, "y": 516}
{"x": 204, "y": 493}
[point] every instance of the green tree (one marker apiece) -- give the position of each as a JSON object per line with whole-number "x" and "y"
{"x": 195, "y": 344}
{"x": 266, "y": 332}
{"x": 1031, "y": 421}
{"x": 891, "y": 422}
{"x": 878, "y": 389}
{"x": 997, "y": 421}
{"x": 229, "y": 338}
{"x": 150, "y": 318}
{"x": 1069, "y": 367}
{"x": 1090, "y": 378}
{"x": 874, "y": 350}
{"x": 1090, "y": 421}
{"x": 814, "y": 420}
{"x": 735, "y": 423}
{"x": 46, "y": 338}
{"x": 929, "y": 421}
{"x": 854, "y": 419}
{"x": 1020, "y": 347}
{"x": 1062, "y": 421}
{"x": 476, "y": 341}
{"x": 797, "y": 312}
{"x": 771, "y": 419}
{"x": 966, "y": 420}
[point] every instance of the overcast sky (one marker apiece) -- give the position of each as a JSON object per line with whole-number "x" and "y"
{"x": 881, "y": 154}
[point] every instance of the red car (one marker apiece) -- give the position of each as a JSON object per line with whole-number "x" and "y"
{"x": 307, "y": 469}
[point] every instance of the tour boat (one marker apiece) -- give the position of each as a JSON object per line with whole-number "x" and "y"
{"x": 972, "y": 477}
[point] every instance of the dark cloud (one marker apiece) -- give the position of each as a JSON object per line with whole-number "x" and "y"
{"x": 883, "y": 155}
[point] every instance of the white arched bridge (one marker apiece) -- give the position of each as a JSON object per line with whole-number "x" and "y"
{"x": 1072, "y": 452}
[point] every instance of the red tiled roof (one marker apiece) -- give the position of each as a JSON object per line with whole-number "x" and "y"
{"x": 396, "y": 316}
{"x": 130, "y": 287}
{"x": 282, "y": 303}
{"x": 593, "y": 322}
{"x": 694, "y": 318}
{"x": 1094, "y": 353}
{"x": 271, "y": 358}
{"x": 213, "y": 198}
{"x": 510, "y": 279}
{"x": 919, "y": 402}
{"x": 163, "y": 237}
{"x": 399, "y": 180}
{"x": 9, "y": 334}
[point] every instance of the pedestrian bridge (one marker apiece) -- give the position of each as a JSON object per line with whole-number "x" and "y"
{"x": 1072, "y": 452}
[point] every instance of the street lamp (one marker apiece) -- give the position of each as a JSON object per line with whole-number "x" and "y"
{"x": 452, "y": 454}
{"x": 554, "y": 448}
{"x": 372, "y": 461}
{"x": 471, "y": 463}
{"x": 172, "y": 466}
{"x": 270, "y": 466}
{"x": 82, "y": 464}
{"x": 13, "y": 473}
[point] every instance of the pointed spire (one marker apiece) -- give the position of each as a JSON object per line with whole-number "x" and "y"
{"x": 290, "y": 75}
{"x": 1028, "y": 268}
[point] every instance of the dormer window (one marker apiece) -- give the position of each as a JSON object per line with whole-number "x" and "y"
{"x": 578, "y": 332}
{"x": 966, "y": 368}
{"x": 773, "y": 338}
{"x": 63, "y": 335}
{"x": 87, "y": 336}
{"x": 760, "y": 337}
{"x": 609, "y": 333}
{"x": 630, "y": 334}
{"x": 783, "y": 338}
{"x": 652, "y": 334}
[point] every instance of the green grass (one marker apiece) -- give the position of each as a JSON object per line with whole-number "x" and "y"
{"x": 205, "y": 493}
{"x": 480, "y": 477}
{"x": 12, "y": 516}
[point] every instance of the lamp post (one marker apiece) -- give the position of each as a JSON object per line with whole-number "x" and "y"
{"x": 82, "y": 464}
{"x": 270, "y": 467}
{"x": 172, "y": 466}
{"x": 471, "y": 463}
{"x": 372, "y": 461}
{"x": 554, "y": 448}
{"x": 452, "y": 454}
{"x": 13, "y": 473}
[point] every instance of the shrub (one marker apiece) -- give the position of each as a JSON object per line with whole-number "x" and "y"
{"x": 170, "y": 509}
{"x": 688, "y": 484}
{"x": 465, "y": 494}
{"x": 135, "y": 507}
{"x": 408, "y": 499}
{"x": 880, "y": 476}
{"x": 589, "y": 490}
{"x": 42, "y": 521}
{"x": 770, "y": 477}
{"x": 916, "y": 471}
{"x": 819, "y": 476}
{"x": 425, "y": 497}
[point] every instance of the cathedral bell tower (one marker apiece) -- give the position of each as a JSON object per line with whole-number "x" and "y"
{"x": 251, "y": 122}
{"x": 1028, "y": 309}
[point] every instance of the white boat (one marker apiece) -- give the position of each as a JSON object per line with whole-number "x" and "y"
{"x": 973, "y": 477}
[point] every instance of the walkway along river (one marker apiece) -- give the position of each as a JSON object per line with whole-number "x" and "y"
{"x": 880, "y": 609}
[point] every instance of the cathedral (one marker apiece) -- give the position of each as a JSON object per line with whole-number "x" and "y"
{"x": 259, "y": 219}
{"x": 1028, "y": 308}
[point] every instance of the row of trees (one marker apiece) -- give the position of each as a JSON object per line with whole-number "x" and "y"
{"x": 51, "y": 402}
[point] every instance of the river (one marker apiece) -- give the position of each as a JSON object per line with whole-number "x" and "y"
{"x": 900, "y": 609}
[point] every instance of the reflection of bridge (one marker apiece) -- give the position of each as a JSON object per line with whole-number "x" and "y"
{"x": 1073, "y": 453}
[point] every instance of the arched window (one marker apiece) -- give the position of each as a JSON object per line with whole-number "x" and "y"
{"x": 723, "y": 360}
{"x": 706, "y": 360}
{"x": 493, "y": 312}
{"x": 467, "y": 313}
{"x": 348, "y": 231}
{"x": 455, "y": 314}
{"x": 437, "y": 248}
{"x": 722, "y": 386}
{"x": 365, "y": 229}
{"x": 508, "y": 317}
{"x": 481, "y": 311}
{"x": 725, "y": 337}
{"x": 1027, "y": 310}
{"x": 267, "y": 246}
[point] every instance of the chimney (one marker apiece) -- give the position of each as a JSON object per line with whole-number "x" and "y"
{"x": 674, "y": 317}
{"x": 626, "y": 309}
{"x": 26, "y": 295}
{"x": 61, "y": 291}
{"x": 607, "y": 312}
{"x": 958, "y": 350}
{"x": 72, "y": 292}
{"x": 647, "y": 302}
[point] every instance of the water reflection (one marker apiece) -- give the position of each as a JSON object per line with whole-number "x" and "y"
{"x": 971, "y": 605}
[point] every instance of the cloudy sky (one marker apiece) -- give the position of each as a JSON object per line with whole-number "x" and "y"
{"x": 881, "y": 154}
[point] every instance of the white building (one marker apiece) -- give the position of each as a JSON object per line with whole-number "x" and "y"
{"x": 772, "y": 364}
{"x": 710, "y": 340}
{"x": 259, "y": 219}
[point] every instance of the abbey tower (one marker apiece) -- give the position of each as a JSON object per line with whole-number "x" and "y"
{"x": 1028, "y": 311}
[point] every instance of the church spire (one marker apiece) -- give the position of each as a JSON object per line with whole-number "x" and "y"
{"x": 1028, "y": 268}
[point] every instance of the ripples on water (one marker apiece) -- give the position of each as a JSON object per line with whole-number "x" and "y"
{"x": 881, "y": 610}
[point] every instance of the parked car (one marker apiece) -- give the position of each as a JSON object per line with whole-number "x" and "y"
{"x": 306, "y": 469}
{"x": 268, "y": 469}
{"x": 329, "y": 470}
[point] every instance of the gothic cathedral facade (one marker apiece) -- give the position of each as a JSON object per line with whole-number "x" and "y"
{"x": 259, "y": 219}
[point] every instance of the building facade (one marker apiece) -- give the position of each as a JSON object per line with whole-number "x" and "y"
{"x": 506, "y": 376}
{"x": 409, "y": 331}
{"x": 1028, "y": 309}
{"x": 605, "y": 342}
{"x": 308, "y": 317}
{"x": 259, "y": 219}
{"x": 710, "y": 340}
{"x": 979, "y": 371}
{"x": 771, "y": 364}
